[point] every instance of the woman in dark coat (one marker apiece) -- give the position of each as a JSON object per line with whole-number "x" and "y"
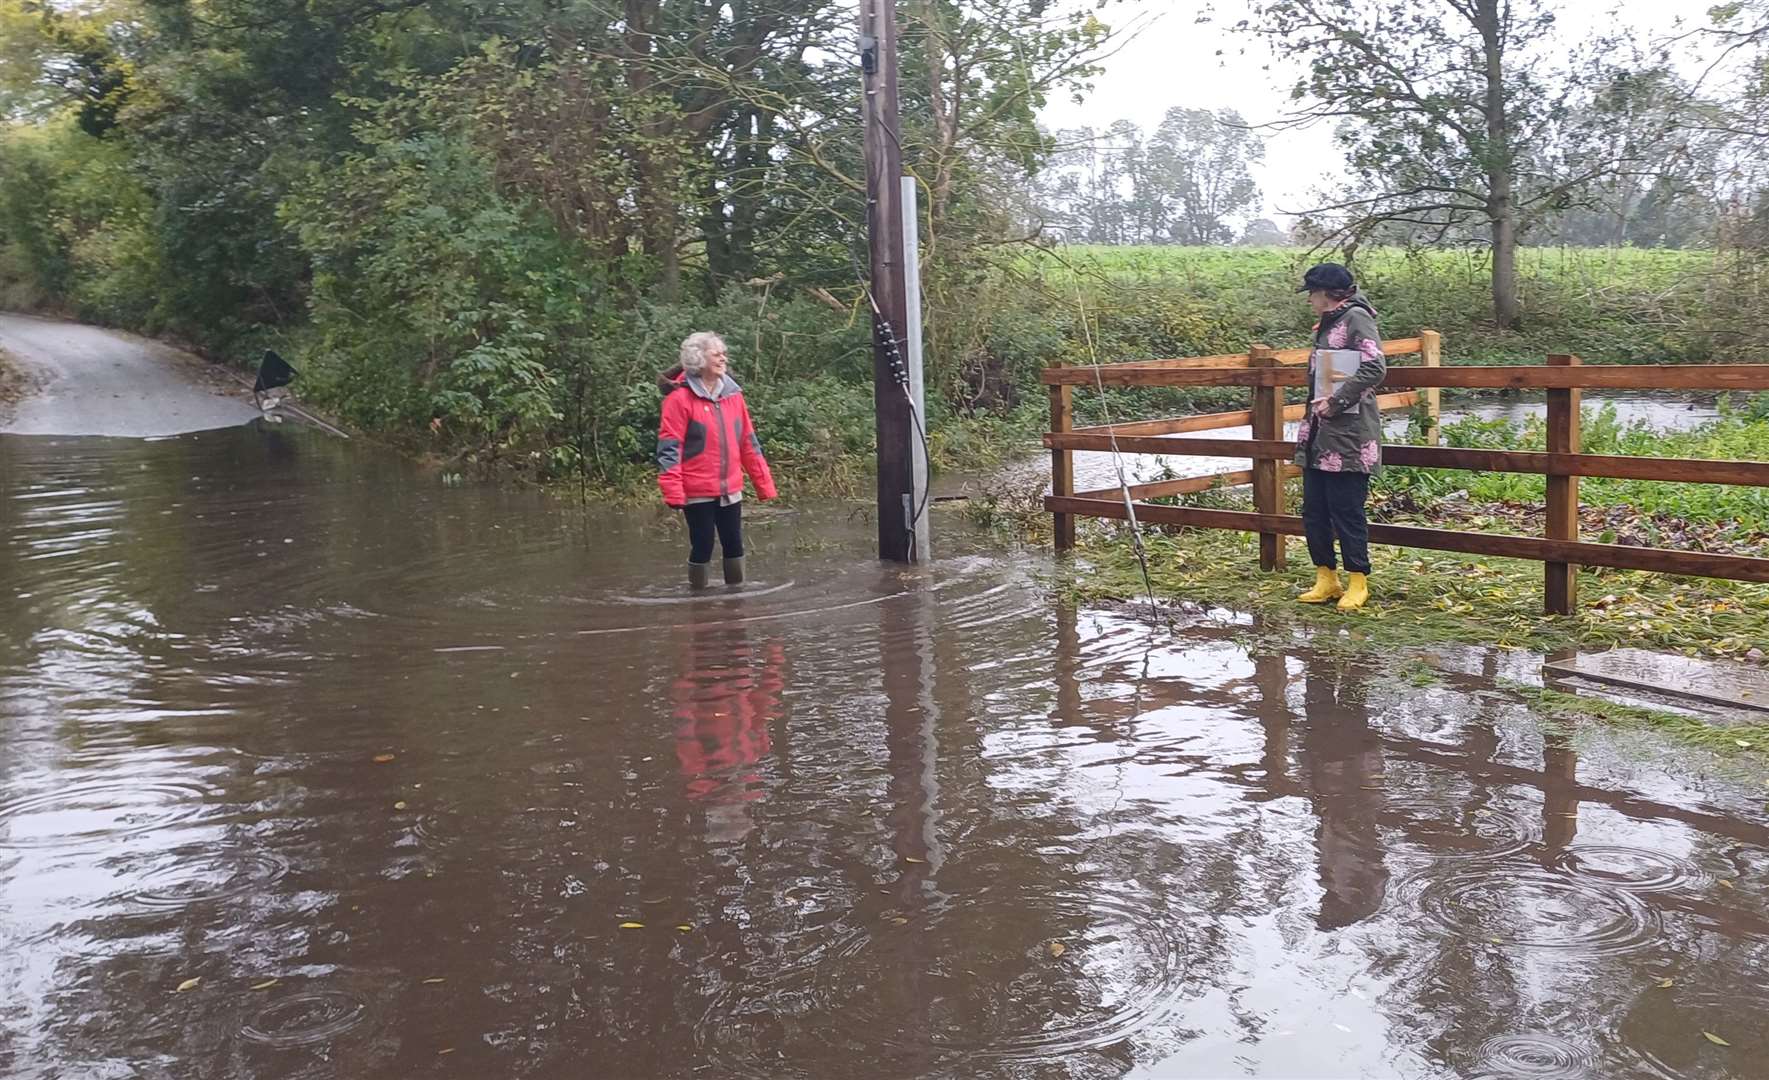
{"x": 1339, "y": 444}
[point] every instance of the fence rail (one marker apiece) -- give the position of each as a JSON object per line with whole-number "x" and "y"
{"x": 1267, "y": 372}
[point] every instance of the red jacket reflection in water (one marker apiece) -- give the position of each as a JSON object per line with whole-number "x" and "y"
{"x": 725, "y": 697}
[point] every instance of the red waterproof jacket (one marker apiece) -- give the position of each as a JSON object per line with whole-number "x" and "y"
{"x": 706, "y": 444}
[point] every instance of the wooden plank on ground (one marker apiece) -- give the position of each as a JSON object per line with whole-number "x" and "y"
{"x": 1711, "y": 681}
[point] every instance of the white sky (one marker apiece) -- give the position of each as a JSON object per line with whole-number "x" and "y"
{"x": 1174, "y": 63}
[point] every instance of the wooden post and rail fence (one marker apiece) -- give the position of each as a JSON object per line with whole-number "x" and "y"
{"x": 1268, "y": 372}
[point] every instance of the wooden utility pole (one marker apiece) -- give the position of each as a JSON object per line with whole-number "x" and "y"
{"x": 884, "y": 234}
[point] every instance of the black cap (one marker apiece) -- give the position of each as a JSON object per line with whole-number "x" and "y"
{"x": 1328, "y": 276}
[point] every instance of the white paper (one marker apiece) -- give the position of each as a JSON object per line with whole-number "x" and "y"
{"x": 1331, "y": 368}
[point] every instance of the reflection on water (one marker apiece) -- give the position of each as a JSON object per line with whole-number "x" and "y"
{"x": 310, "y": 766}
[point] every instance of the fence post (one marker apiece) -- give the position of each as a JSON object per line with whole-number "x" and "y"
{"x": 1431, "y": 353}
{"x": 1062, "y": 464}
{"x": 1561, "y": 582}
{"x": 1268, "y": 475}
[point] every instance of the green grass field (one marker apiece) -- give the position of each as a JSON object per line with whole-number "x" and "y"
{"x": 1619, "y": 305}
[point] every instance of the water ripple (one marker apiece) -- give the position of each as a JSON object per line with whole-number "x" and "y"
{"x": 1631, "y": 868}
{"x": 1532, "y": 1055}
{"x": 1000, "y": 976}
{"x": 214, "y": 876}
{"x": 308, "y": 1018}
{"x": 97, "y": 812}
{"x": 1524, "y": 906}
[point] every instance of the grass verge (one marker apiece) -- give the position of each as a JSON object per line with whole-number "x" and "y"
{"x": 1424, "y": 597}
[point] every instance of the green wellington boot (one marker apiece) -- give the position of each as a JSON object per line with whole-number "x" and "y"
{"x": 734, "y": 571}
{"x": 1326, "y": 587}
{"x": 697, "y": 574}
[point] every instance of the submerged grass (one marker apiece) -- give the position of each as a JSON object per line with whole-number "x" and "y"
{"x": 1560, "y": 708}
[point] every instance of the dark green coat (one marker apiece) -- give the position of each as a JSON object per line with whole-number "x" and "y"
{"x": 1349, "y": 437}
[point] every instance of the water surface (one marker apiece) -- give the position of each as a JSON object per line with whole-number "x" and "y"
{"x": 404, "y": 780}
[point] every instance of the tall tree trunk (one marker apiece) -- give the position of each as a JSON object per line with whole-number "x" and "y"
{"x": 656, "y": 198}
{"x": 944, "y": 112}
{"x": 1505, "y": 306}
{"x": 1501, "y": 206}
{"x": 715, "y": 229}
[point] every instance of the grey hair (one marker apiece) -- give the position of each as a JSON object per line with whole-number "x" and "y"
{"x": 694, "y": 350}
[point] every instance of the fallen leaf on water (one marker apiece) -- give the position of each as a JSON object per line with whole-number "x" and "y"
{"x": 449, "y": 1050}
{"x": 382, "y": 759}
{"x": 907, "y": 858}
{"x": 1495, "y": 941}
{"x": 433, "y": 982}
{"x": 1665, "y": 984}
{"x": 632, "y": 926}
{"x": 655, "y": 900}
{"x": 399, "y": 806}
{"x": 900, "y": 921}
{"x": 1057, "y": 948}
{"x": 189, "y": 984}
{"x": 1715, "y": 1039}
{"x": 684, "y": 927}
{"x": 265, "y": 985}
{"x": 1741, "y": 744}
{"x": 1725, "y": 883}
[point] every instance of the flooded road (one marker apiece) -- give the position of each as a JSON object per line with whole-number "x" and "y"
{"x": 311, "y": 766}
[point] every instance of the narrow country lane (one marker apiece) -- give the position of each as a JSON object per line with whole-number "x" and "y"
{"x": 85, "y": 381}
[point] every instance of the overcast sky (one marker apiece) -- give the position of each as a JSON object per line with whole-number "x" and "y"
{"x": 1174, "y": 62}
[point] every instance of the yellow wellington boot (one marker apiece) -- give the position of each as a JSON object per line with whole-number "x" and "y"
{"x": 1326, "y": 587}
{"x": 1357, "y": 593}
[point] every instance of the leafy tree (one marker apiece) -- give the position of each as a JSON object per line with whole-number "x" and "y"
{"x": 1202, "y": 162}
{"x": 1666, "y": 188}
{"x": 1458, "y": 117}
{"x": 53, "y": 55}
{"x": 1263, "y": 233}
{"x": 1187, "y": 184}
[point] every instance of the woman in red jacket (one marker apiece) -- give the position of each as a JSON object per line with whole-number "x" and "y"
{"x": 705, "y": 444}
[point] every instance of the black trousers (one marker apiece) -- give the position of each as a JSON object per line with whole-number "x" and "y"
{"x": 1333, "y": 505}
{"x": 704, "y": 519}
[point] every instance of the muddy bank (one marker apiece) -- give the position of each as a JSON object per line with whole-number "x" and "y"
{"x": 13, "y": 384}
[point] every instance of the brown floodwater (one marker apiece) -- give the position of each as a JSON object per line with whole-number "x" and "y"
{"x": 312, "y": 765}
